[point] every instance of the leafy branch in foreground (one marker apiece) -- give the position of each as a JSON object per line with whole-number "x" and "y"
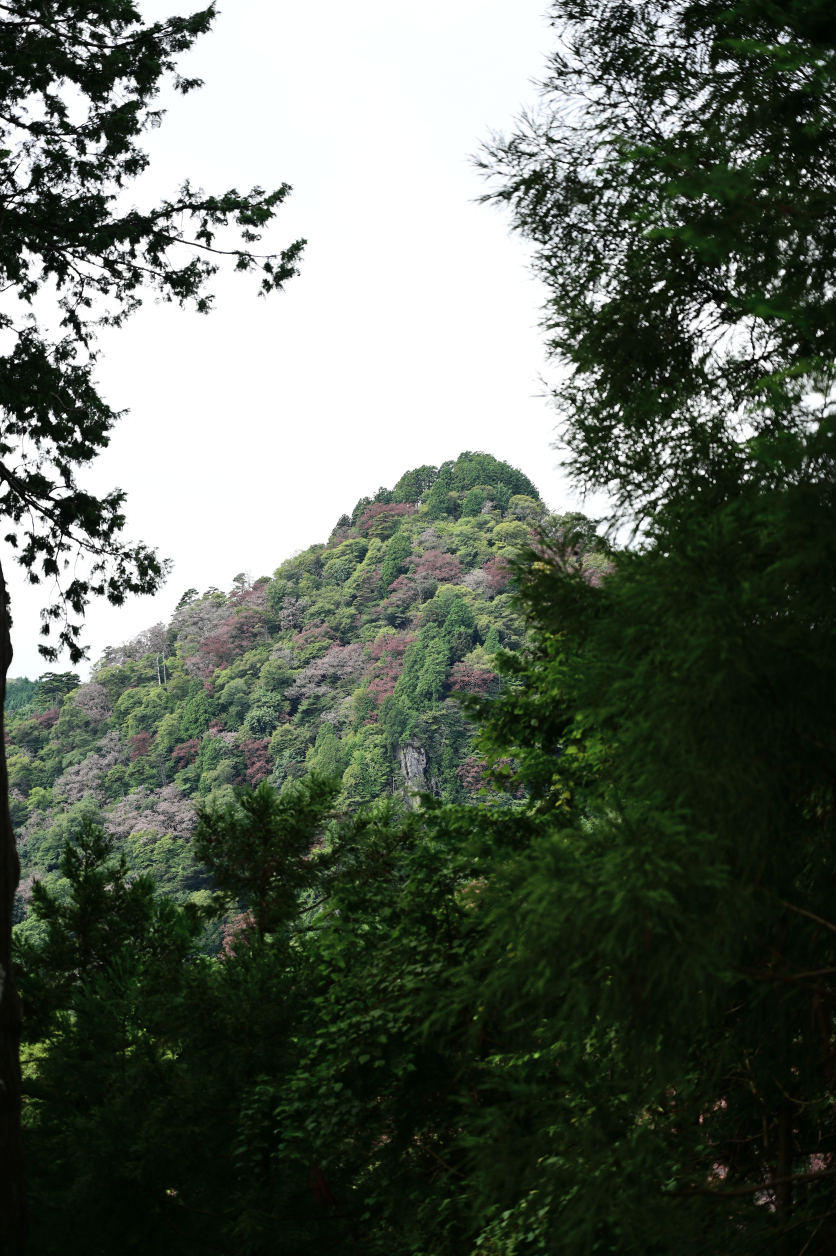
{"x": 78, "y": 84}
{"x": 677, "y": 184}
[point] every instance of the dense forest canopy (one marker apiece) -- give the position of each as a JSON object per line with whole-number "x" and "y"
{"x": 194, "y": 806}
{"x": 467, "y": 885}
{"x": 349, "y": 660}
{"x": 460, "y": 487}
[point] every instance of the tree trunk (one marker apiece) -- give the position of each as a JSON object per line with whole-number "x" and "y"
{"x": 13, "y": 1207}
{"x": 783, "y": 1169}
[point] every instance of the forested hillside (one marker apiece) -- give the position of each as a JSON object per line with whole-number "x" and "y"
{"x": 347, "y": 660}
{"x": 580, "y": 999}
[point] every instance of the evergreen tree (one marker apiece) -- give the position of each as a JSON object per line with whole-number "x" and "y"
{"x": 53, "y": 686}
{"x": 20, "y": 693}
{"x": 397, "y": 552}
{"x": 683, "y": 219}
{"x": 657, "y": 977}
{"x": 255, "y": 848}
{"x": 153, "y": 1091}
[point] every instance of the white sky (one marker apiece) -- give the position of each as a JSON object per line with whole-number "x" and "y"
{"x": 411, "y": 333}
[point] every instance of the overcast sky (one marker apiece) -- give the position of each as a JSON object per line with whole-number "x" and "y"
{"x": 411, "y": 333}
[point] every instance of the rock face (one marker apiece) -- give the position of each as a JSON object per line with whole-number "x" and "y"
{"x": 414, "y": 764}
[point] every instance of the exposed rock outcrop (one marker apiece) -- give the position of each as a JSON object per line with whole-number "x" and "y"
{"x": 414, "y": 763}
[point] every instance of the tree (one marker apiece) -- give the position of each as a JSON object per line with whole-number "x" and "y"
{"x": 186, "y": 600}
{"x": 658, "y": 977}
{"x": 255, "y": 848}
{"x": 677, "y": 185}
{"x": 397, "y": 554}
{"x": 106, "y": 911}
{"x": 412, "y": 485}
{"x": 422, "y": 680}
{"x": 469, "y": 471}
{"x": 78, "y": 82}
{"x": 20, "y": 693}
{"x": 223, "y": 1102}
{"x": 370, "y": 1107}
{"x": 53, "y": 686}
{"x": 99, "y": 982}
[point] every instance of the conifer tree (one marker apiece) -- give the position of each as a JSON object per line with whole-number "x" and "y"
{"x": 659, "y": 979}
{"x": 677, "y": 184}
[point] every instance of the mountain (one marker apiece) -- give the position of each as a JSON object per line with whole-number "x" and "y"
{"x": 346, "y": 660}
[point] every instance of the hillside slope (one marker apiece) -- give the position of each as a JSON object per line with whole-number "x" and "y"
{"x": 346, "y": 660}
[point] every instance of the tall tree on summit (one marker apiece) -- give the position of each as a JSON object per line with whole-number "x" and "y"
{"x": 78, "y": 84}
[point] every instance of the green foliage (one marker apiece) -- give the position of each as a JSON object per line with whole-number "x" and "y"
{"x": 270, "y": 682}
{"x": 395, "y": 929}
{"x": 594, "y": 1013}
{"x": 20, "y": 693}
{"x": 414, "y": 485}
{"x": 652, "y": 916}
{"x": 188, "y": 597}
{"x": 369, "y": 772}
{"x": 66, "y": 236}
{"x": 683, "y": 224}
{"x": 79, "y": 84}
{"x": 457, "y": 481}
{"x": 53, "y": 686}
{"x": 329, "y": 756}
{"x": 473, "y": 502}
{"x": 154, "y": 1027}
{"x": 102, "y": 914}
{"x": 255, "y": 847}
{"x": 152, "y": 1119}
{"x": 472, "y": 469}
{"x": 660, "y": 909}
{"x": 421, "y": 682}
{"x": 397, "y": 552}
{"x": 493, "y": 640}
{"x": 197, "y": 712}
